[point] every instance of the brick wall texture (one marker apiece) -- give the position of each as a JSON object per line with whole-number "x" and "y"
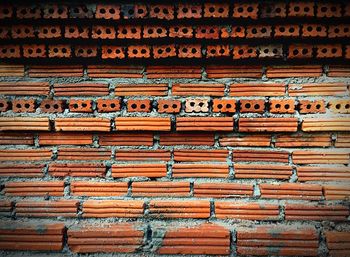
{"x": 148, "y": 159}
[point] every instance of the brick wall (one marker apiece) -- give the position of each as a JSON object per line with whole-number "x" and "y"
{"x": 233, "y": 148}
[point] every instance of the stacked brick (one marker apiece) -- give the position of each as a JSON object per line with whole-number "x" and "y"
{"x": 147, "y": 159}
{"x": 174, "y": 162}
{"x": 236, "y": 30}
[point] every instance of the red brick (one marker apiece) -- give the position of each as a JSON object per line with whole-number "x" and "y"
{"x": 164, "y": 51}
{"x": 270, "y": 51}
{"x": 65, "y": 138}
{"x": 248, "y": 171}
{"x": 338, "y": 242}
{"x": 6, "y": 11}
{"x": 328, "y": 10}
{"x": 297, "y": 71}
{"x": 173, "y": 72}
{"x": 5, "y": 32}
{"x": 260, "y": 156}
{"x": 337, "y": 192}
{"x": 342, "y": 140}
{"x": 207, "y": 32}
{"x": 179, "y": 209}
{"x": 169, "y": 106}
{"x": 216, "y": 10}
{"x": 77, "y": 105}
{"x": 104, "y": 11}
{"x": 105, "y": 238}
{"x": 22, "y": 31}
{"x": 81, "y": 89}
{"x": 195, "y": 170}
{"x": 98, "y": 189}
{"x": 28, "y": 12}
{"x": 129, "y": 32}
{"x": 87, "y": 154}
{"x": 246, "y": 211}
{"x": 313, "y": 30}
{"x": 150, "y": 170}
{"x": 287, "y": 31}
{"x": 323, "y": 173}
{"x": 32, "y": 236}
{"x": 13, "y": 138}
{"x": 72, "y": 31}
{"x": 24, "y": 88}
{"x": 182, "y": 89}
{"x": 258, "y": 31}
{"x": 85, "y": 51}
{"x": 338, "y": 71}
{"x": 113, "y": 52}
{"x": 22, "y": 170}
{"x": 126, "y": 139}
{"x": 82, "y": 124}
{"x": 34, "y": 188}
{"x": 269, "y": 240}
{"x": 161, "y": 11}
{"x": 6, "y": 208}
{"x": 329, "y": 51}
{"x": 244, "y": 52}
{"x": 52, "y": 106}
{"x": 188, "y": 11}
{"x": 10, "y": 51}
{"x": 49, "y": 31}
{"x": 160, "y": 188}
{"x": 77, "y": 169}
{"x": 154, "y": 32}
{"x": 59, "y": 51}
{"x": 282, "y": 106}
{"x": 190, "y": 51}
{"x": 143, "y": 51}
{"x": 103, "y": 32}
{"x": 204, "y": 124}
{"x": 114, "y": 71}
{"x": 24, "y": 124}
{"x": 180, "y": 32}
{"x": 108, "y": 105}
{"x": 301, "y": 9}
{"x": 4, "y": 105}
{"x": 339, "y": 106}
{"x": 218, "y": 51}
{"x": 312, "y": 106}
{"x": 246, "y": 10}
{"x": 225, "y": 71}
{"x": 112, "y": 208}
{"x": 187, "y": 139}
{"x": 339, "y": 30}
{"x": 246, "y": 140}
{"x": 213, "y": 239}
{"x": 41, "y": 154}
{"x": 196, "y": 105}
{"x": 34, "y": 51}
{"x": 54, "y": 11}
{"x": 252, "y": 105}
{"x": 11, "y": 70}
{"x": 23, "y": 105}
{"x": 141, "y": 89}
{"x": 224, "y": 105}
{"x": 321, "y": 157}
{"x": 143, "y": 123}
{"x": 316, "y": 212}
{"x": 303, "y": 140}
{"x": 142, "y": 155}
{"x": 273, "y": 10}
{"x": 317, "y": 89}
{"x": 326, "y": 124}
{"x": 222, "y": 190}
{"x": 295, "y": 191}
{"x": 193, "y": 155}
{"x": 81, "y": 11}
{"x": 47, "y": 209}
{"x": 268, "y": 124}
{"x": 233, "y": 32}
{"x": 300, "y": 51}
{"x": 36, "y": 71}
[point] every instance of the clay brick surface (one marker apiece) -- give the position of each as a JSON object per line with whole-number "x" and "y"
{"x": 98, "y": 189}
{"x": 164, "y": 51}
{"x": 312, "y": 106}
{"x": 76, "y": 105}
{"x": 189, "y": 51}
{"x": 244, "y": 52}
{"x": 246, "y": 140}
{"x": 339, "y": 106}
{"x": 323, "y": 173}
{"x": 173, "y": 72}
{"x": 142, "y": 155}
{"x": 187, "y": 139}
{"x": 150, "y": 170}
{"x": 23, "y": 105}
{"x": 113, "y": 52}
{"x": 13, "y": 138}
{"x": 320, "y": 157}
{"x": 260, "y": 156}
{"x": 198, "y": 89}
{"x": 254, "y": 105}
{"x": 105, "y": 238}
{"x": 25, "y": 154}
{"x": 180, "y": 32}
{"x": 336, "y": 192}
{"x": 262, "y": 171}
{"x": 143, "y": 51}
{"x": 75, "y": 89}
{"x": 82, "y": 124}
{"x": 142, "y": 124}
{"x": 246, "y": 211}
{"x": 21, "y": 170}
{"x": 35, "y": 188}
{"x": 304, "y": 140}
{"x": 141, "y": 89}
{"x": 204, "y": 124}
{"x": 112, "y": 208}
{"x": 343, "y": 140}
{"x": 194, "y": 170}
{"x": 257, "y": 89}
{"x": 55, "y": 11}
{"x": 291, "y": 191}
{"x": 85, "y": 153}
{"x": 162, "y": 12}
{"x": 216, "y": 10}
{"x": 104, "y": 11}
{"x": 77, "y": 169}
{"x": 55, "y": 71}
{"x": 338, "y": 242}
{"x": 222, "y": 190}
{"x": 300, "y": 51}
{"x": 24, "y": 88}
{"x": 245, "y": 10}
{"x": 169, "y": 106}
{"x": 24, "y": 123}
{"x": 65, "y": 138}
{"x": 126, "y": 139}
{"x": 30, "y": 236}
{"x": 282, "y": 106}
{"x": 108, "y": 105}
{"x": 59, "y": 51}
{"x": 189, "y": 155}
{"x": 224, "y": 105}
{"x": 143, "y": 105}
{"x": 185, "y": 11}
{"x": 294, "y": 71}
{"x": 49, "y": 32}
{"x": 212, "y": 238}
{"x": 52, "y": 106}
{"x": 322, "y": 124}
{"x": 268, "y": 124}
{"x": 60, "y": 208}
{"x": 196, "y": 105}
{"x": 175, "y": 189}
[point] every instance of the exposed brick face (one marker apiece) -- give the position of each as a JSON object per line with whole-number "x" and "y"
{"x": 207, "y": 128}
